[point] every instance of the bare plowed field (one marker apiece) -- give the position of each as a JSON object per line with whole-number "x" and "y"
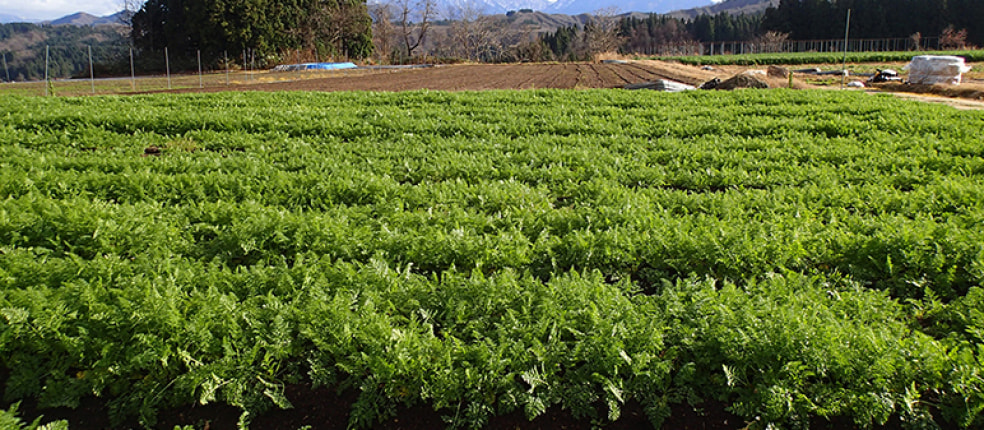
{"x": 480, "y": 77}
{"x": 471, "y": 78}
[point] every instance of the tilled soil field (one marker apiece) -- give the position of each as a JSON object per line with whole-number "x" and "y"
{"x": 479, "y": 77}
{"x": 473, "y": 78}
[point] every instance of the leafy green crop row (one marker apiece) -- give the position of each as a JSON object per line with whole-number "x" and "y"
{"x": 795, "y": 58}
{"x": 793, "y": 254}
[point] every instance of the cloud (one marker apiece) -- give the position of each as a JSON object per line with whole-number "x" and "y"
{"x": 50, "y": 9}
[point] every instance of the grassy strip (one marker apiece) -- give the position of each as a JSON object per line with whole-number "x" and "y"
{"x": 799, "y": 58}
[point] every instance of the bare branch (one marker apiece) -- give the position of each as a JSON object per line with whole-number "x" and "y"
{"x": 383, "y": 31}
{"x": 414, "y": 33}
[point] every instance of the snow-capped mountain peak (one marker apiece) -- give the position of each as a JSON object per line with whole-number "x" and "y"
{"x": 572, "y": 7}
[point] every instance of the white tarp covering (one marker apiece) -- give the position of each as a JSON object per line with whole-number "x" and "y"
{"x": 936, "y": 69}
{"x": 661, "y": 85}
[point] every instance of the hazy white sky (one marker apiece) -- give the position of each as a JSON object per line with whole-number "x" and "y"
{"x": 50, "y": 9}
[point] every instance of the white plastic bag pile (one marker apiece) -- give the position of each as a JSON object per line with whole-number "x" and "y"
{"x": 936, "y": 69}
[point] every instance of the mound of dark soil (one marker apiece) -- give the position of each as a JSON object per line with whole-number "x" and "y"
{"x": 742, "y": 80}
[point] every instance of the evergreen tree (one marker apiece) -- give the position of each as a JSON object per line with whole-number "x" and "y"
{"x": 872, "y": 19}
{"x": 340, "y": 27}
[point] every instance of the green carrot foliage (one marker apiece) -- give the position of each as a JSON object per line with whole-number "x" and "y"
{"x": 794, "y": 255}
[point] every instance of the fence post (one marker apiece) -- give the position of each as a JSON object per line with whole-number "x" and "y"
{"x": 133, "y": 75}
{"x": 46, "y": 47}
{"x": 92, "y": 76}
{"x": 847, "y": 32}
{"x": 5, "y": 70}
{"x": 200, "y": 83}
{"x": 167, "y": 65}
{"x": 225, "y": 57}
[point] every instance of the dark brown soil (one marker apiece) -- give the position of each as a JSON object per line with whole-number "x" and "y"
{"x": 742, "y": 80}
{"x": 325, "y": 409}
{"x": 965, "y": 91}
{"x": 471, "y": 78}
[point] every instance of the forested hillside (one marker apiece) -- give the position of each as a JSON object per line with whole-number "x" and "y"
{"x": 23, "y": 47}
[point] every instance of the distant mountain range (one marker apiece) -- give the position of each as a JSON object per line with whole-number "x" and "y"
{"x": 734, "y": 7}
{"x": 676, "y": 8}
{"x": 576, "y": 7}
{"x": 80, "y": 19}
{"x": 6, "y": 18}
{"x": 573, "y": 7}
{"x": 83, "y": 19}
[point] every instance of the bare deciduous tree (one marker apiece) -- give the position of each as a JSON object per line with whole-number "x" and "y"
{"x": 601, "y": 32}
{"x": 915, "y": 40}
{"x": 525, "y": 44}
{"x": 415, "y": 19}
{"x": 533, "y": 50}
{"x": 771, "y": 41}
{"x": 130, "y": 7}
{"x": 951, "y": 38}
{"x": 125, "y": 18}
{"x": 473, "y": 35}
{"x": 383, "y": 31}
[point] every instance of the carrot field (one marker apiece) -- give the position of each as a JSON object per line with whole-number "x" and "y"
{"x": 794, "y": 256}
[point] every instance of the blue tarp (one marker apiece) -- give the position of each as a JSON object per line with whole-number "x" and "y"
{"x": 314, "y": 66}
{"x": 328, "y": 66}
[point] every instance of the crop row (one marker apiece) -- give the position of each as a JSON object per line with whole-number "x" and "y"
{"x": 795, "y": 255}
{"x": 645, "y": 237}
{"x": 794, "y": 58}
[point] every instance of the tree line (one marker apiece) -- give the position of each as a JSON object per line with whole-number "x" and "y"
{"x": 955, "y": 22}
{"x": 214, "y": 27}
{"x": 401, "y": 30}
{"x": 825, "y": 19}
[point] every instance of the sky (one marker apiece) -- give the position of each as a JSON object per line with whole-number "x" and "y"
{"x": 51, "y": 9}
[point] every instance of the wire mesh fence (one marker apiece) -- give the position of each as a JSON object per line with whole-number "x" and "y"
{"x": 115, "y": 69}
{"x": 792, "y": 46}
